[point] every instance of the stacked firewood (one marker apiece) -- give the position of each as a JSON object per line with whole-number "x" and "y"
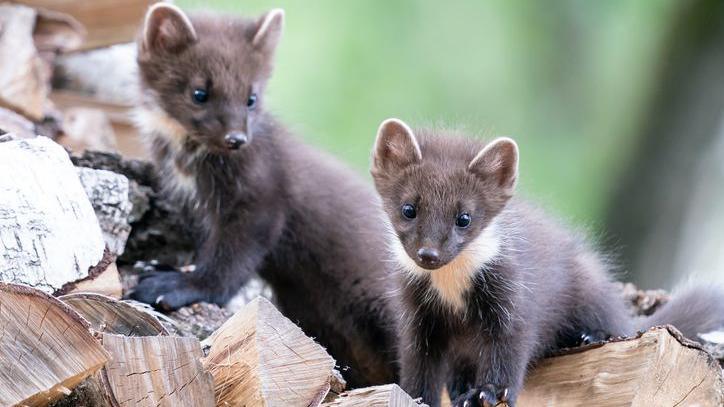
{"x": 70, "y": 221}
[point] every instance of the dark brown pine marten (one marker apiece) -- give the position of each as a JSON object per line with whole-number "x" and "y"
{"x": 490, "y": 283}
{"x": 265, "y": 202}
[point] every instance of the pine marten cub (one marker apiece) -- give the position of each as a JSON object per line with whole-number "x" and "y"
{"x": 265, "y": 202}
{"x": 490, "y": 283}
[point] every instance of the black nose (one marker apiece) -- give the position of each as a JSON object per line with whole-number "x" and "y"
{"x": 428, "y": 257}
{"x": 235, "y": 139}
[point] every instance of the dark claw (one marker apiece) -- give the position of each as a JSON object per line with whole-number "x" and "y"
{"x": 488, "y": 395}
{"x": 598, "y": 336}
{"x": 167, "y": 291}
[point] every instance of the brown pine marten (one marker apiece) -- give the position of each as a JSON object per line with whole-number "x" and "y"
{"x": 489, "y": 283}
{"x": 265, "y": 202}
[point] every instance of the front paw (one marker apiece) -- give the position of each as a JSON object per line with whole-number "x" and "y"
{"x": 167, "y": 291}
{"x": 595, "y": 336}
{"x": 488, "y": 395}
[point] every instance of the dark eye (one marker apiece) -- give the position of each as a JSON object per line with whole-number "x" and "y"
{"x": 251, "y": 102}
{"x": 409, "y": 211}
{"x": 463, "y": 220}
{"x": 200, "y": 96}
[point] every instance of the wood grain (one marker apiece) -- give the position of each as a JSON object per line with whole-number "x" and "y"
{"x": 260, "y": 358}
{"x": 47, "y": 348}
{"x": 157, "y": 371}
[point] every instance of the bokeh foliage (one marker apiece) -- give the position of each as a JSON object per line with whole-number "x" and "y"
{"x": 569, "y": 80}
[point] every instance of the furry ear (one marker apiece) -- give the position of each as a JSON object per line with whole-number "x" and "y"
{"x": 270, "y": 30}
{"x": 395, "y": 148}
{"x": 167, "y": 29}
{"x": 498, "y": 161}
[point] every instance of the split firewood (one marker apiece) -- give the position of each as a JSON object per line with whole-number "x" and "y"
{"x": 46, "y": 348}
{"x": 107, "y": 282}
{"x": 260, "y": 358}
{"x": 157, "y": 371}
{"x": 377, "y": 396}
{"x": 49, "y": 233}
{"x": 658, "y": 368}
{"x": 107, "y": 22}
{"x": 24, "y": 83}
{"x": 108, "y": 194}
{"x": 108, "y": 315}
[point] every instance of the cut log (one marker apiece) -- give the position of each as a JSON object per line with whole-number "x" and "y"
{"x": 107, "y": 22}
{"x": 46, "y": 347}
{"x": 108, "y": 194}
{"x": 260, "y": 358}
{"x": 157, "y": 371}
{"x": 108, "y": 315}
{"x": 24, "y": 83}
{"x": 49, "y": 234}
{"x": 377, "y": 396}
{"x": 659, "y": 368}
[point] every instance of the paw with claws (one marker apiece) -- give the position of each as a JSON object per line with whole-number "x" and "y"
{"x": 596, "y": 336}
{"x": 488, "y": 395}
{"x": 167, "y": 290}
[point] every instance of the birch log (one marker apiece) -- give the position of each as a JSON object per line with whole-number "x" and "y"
{"x": 389, "y": 395}
{"x": 260, "y": 358}
{"x": 46, "y": 348}
{"x": 49, "y": 234}
{"x": 108, "y": 194}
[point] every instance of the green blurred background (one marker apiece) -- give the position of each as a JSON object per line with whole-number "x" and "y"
{"x": 574, "y": 82}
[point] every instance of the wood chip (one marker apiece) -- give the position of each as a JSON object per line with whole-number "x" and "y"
{"x": 47, "y": 348}
{"x": 260, "y": 358}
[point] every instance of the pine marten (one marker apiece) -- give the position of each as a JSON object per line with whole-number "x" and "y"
{"x": 488, "y": 282}
{"x": 265, "y": 202}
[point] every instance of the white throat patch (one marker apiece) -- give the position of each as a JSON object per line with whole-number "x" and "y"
{"x": 453, "y": 280}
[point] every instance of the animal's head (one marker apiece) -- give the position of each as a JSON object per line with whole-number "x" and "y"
{"x": 442, "y": 192}
{"x": 208, "y": 73}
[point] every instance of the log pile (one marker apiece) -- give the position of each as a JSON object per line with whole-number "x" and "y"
{"x": 76, "y": 228}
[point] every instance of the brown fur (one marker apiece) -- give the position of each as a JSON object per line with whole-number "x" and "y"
{"x": 525, "y": 286}
{"x": 276, "y": 207}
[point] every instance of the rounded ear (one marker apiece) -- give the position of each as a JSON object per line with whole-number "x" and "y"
{"x": 498, "y": 161}
{"x": 395, "y": 148}
{"x": 167, "y": 29}
{"x": 270, "y": 30}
